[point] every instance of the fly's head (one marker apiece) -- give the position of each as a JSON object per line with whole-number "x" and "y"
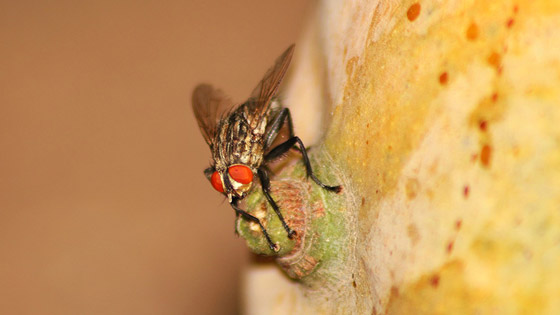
{"x": 234, "y": 181}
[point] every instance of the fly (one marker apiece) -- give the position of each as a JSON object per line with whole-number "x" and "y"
{"x": 242, "y": 140}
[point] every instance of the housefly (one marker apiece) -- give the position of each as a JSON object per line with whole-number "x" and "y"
{"x": 242, "y": 140}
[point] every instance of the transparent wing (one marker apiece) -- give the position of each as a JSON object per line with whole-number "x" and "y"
{"x": 209, "y": 105}
{"x": 259, "y": 101}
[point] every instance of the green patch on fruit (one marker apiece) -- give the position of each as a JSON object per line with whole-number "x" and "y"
{"x": 320, "y": 218}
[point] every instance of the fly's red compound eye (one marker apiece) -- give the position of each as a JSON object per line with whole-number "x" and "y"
{"x": 216, "y": 181}
{"x": 241, "y": 174}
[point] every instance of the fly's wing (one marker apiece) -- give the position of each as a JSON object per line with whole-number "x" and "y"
{"x": 209, "y": 105}
{"x": 268, "y": 87}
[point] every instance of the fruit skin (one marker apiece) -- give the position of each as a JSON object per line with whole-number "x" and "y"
{"x": 447, "y": 129}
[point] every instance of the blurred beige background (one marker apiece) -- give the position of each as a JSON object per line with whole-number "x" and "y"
{"x": 103, "y": 205}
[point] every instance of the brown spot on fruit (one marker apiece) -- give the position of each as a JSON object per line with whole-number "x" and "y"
{"x": 394, "y": 291}
{"x": 412, "y": 186}
{"x": 472, "y": 32}
{"x": 450, "y": 247}
{"x": 485, "y": 155}
{"x": 413, "y": 12}
{"x": 489, "y": 110}
{"x": 443, "y": 78}
{"x": 509, "y": 23}
{"x": 474, "y": 157}
{"x": 483, "y": 125}
{"x": 458, "y": 224}
{"x": 434, "y": 281}
{"x": 495, "y": 60}
{"x": 363, "y": 201}
{"x": 412, "y": 232}
{"x": 466, "y": 191}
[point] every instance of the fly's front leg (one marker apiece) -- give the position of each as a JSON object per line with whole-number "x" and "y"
{"x": 265, "y": 185}
{"x": 284, "y": 147}
{"x": 250, "y": 217}
{"x": 235, "y": 223}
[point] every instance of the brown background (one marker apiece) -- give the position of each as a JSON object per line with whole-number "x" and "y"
{"x": 103, "y": 205}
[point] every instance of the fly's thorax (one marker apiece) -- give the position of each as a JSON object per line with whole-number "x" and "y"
{"x": 239, "y": 140}
{"x": 246, "y": 151}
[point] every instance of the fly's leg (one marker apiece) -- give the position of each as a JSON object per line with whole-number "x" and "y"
{"x": 284, "y": 147}
{"x": 235, "y": 223}
{"x": 265, "y": 185}
{"x": 208, "y": 173}
{"x": 276, "y": 125}
{"x": 247, "y": 216}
